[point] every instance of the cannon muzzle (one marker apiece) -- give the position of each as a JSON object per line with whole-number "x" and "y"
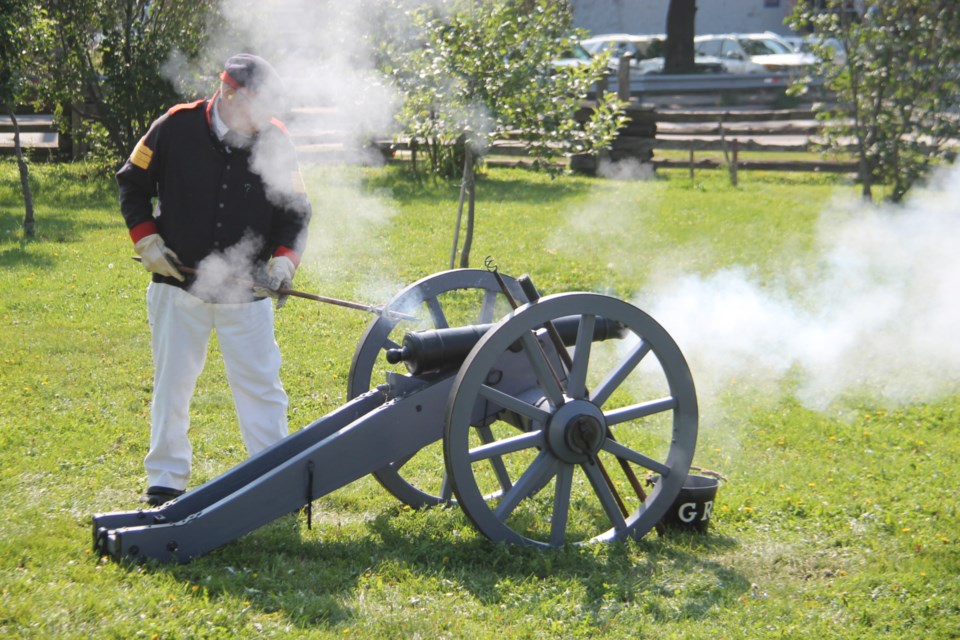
{"x": 438, "y": 350}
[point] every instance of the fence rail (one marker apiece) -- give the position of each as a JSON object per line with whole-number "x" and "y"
{"x": 648, "y": 130}
{"x": 737, "y": 131}
{"x": 36, "y": 132}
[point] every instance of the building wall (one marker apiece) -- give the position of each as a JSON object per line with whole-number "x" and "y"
{"x": 650, "y": 16}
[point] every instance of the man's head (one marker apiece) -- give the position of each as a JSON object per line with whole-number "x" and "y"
{"x": 251, "y": 93}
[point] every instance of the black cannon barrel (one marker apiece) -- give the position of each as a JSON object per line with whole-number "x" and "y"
{"x": 435, "y": 350}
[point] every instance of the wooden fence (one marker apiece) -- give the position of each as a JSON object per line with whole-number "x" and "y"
{"x": 731, "y": 132}
{"x": 37, "y": 135}
{"x": 648, "y": 131}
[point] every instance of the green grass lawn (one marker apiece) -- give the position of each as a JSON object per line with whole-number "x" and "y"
{"x": 841, "y": 522}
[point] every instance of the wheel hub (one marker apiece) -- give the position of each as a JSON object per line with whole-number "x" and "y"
{"x": 577, "y": 431}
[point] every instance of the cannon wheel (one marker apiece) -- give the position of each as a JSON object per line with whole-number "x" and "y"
{"x": 432, "y": 298}
{"x": 625, "y": 407}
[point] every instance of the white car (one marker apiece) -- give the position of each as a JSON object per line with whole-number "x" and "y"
{"x": 754, "y": 53}
{"x": 575, "y": 57}
{"x": 795, "y": 42}
{"x": 647, "y": 52}
{"x": 828, "y": 47}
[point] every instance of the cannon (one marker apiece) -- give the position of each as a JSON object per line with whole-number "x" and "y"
{"x": 564, "y": 419}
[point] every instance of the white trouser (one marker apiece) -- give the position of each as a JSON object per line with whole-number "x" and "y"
{"x": 180, "y": 326}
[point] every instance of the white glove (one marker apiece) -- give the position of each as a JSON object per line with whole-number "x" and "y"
{"x": 277, "y": 275}
{"x": 157, "y": 257}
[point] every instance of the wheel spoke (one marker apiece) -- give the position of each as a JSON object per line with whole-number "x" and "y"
{"x": 514, "y": 404}
{"x": 507, "y": 445}
{"x": 436, "y": 313}
{"x": 602, "y": 393}
{"x": 561, "y": 505}
{"x": 544, "y": 372}
{"x": 604, "y": 493}
{"x": 626, "y": 453}
{"x": 642, "y": 410}
{"x": 446, "y": 488}
{"x": 537, "y": 475}
{"x": 488, "y": 306}
{"x": 577, "y": 385}
{"x": 499, "y": 469}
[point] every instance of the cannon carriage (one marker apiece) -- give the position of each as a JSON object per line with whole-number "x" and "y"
{"x": 566, "y": 419}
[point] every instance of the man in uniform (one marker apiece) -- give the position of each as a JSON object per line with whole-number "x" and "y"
{"x": 230, "y": 204}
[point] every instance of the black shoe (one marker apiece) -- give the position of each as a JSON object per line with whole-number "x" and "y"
{"x": 156, "y": 496}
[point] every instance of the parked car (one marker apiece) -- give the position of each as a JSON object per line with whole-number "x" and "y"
{"x": 754, "y": 52}
{"x": 830, "y": 47}
{"x": 575, "y": 56}
{"x": 647, "y": 51}
{"x": 795, "y": 42}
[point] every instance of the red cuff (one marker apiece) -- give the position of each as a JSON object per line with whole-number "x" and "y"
{"x": 292, "y": 255}
{"x": 143, "y": 230}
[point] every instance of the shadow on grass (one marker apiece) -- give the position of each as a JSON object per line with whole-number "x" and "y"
{"x": 513, "y": 187}
{"x": 312, "y": 583}
{"x": 17, "y": 255}
{"x": 69, "y": 201}
{"x": 63, "y": 227}
{"x": 480, "y": 565}
{"x": 719, "y": 178}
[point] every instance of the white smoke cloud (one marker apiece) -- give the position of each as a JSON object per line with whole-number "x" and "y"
{"x": 225, "y": 276}
{"x": 324, "y": 51}
{"x": 626, "y": 169}
{"x": 351, "y": 219}
{"x": 878, "y": 313}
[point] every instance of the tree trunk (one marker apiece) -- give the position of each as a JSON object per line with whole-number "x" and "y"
{"x": 680, "y": 30}
{"x": 469, "y": 181}
{"x": 28, "y": 220}
{"x": 866, "y": 177}
{"x": 456, "y": 228}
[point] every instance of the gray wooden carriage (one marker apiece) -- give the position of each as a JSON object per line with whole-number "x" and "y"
{"x": 566, "y": 419}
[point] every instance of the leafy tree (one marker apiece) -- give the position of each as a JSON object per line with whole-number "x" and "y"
{"x": 107, "y": 63}
{"x": 897, "y": 86}
{"x": 485, "y": 70}
{"x": 23, "y": 28}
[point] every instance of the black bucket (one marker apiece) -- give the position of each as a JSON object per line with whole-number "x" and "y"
{"x": 694, "y": 504}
